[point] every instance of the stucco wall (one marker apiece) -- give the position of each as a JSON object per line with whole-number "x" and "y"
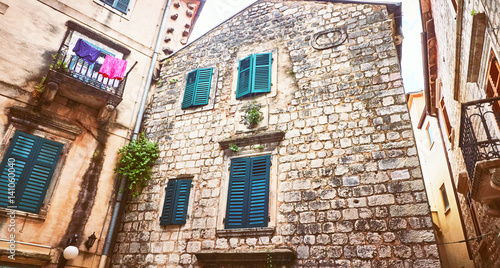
{"x": 346, "y": 186}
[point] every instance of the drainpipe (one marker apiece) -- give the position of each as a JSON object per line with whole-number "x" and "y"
{"x": 138, "y": 122}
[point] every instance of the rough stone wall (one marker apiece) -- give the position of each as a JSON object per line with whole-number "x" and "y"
{"x": 348, "y": 186}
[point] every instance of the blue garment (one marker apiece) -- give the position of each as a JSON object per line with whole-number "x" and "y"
{"x": 86, "y": 51}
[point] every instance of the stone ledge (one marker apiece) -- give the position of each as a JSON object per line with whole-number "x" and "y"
{"x": 260, "y": 138}
{"x": 43, "y": 122}
{"x": 258, "y": 231}
{"x": 22, "y": 257}
{"x": 245, "y": 256}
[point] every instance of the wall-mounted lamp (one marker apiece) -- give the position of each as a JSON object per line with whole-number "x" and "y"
{"x": 70, "y": 252}
{"x": 90, "y": 240}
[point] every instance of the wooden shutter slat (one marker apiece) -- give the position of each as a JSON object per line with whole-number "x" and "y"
{"x": 34, "y": 188}
{"x": 259, "y": 191}
{"x": 202, "y": 92}
{"x": 122, "y": 5}
{"x": 262, "y": 73}
{"x": 179, "y": 212}
{"x": 236, "y": 211}
{"x": 244, "y": 86}
{"x": 168, "y": 203}
{"x": 189, "y": 91}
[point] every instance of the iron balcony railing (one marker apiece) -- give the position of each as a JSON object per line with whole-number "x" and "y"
{"x": 479, "y": 132}
{"x": 75, "y": 67}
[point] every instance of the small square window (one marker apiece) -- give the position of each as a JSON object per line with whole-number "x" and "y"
{"x": 254, "y": 75}
{"x": 430, "y": 137}
{"x": 176, "y": 202}
{"x": 445, "y": 198}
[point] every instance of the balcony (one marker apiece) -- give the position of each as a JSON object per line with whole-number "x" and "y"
{"x": 74, "y": 78}
{"x": 480, "y": 144}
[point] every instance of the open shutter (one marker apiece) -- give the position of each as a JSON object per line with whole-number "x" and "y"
{"x": 262, "y": 73}
{"x": 20, "y": 149}
{"x": 202, "y": 91}
{"x": 236, "y": 211}
{"x": 35, "y": 187}
{"x": 259, "y": 191}
{"x": 244, "y": 77}
{"x": 122, "y": 5}
{"x": 179, "y": 211}
{"x": 189, "y": 91}
{"x": 168, "y": 205}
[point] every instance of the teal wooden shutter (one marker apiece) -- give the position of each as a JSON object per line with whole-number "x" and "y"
{"x": 35, "y": 162}
{"x": 244, "y": 77}
{"x": 179, "y": 211}
{"x": 38, "y": 178}
{"x": 20, "y": 149}
{"x": 122, "y": 5}
{"x": 202, "y": 92}
{"x": 166, "y": 215}
{"x": 176, "y": 202}
{"x": 189, "y": 91}
{"x": 262, "y": 73}
{"x": 237, "y": 203}
{"x": 259, "y": 191}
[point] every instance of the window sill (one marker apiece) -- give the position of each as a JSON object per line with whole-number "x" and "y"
{"x": 38, "y": 217}
{"x": 258, "y": 231}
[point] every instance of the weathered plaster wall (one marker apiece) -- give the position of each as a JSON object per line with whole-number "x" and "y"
{"x": 346, "y": 186}
{"x": 435, "y": 171}
{"x": 82, "y": 188}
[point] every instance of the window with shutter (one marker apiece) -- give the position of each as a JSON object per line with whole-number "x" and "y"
{"x": 254, "y": 75}
{"x": 248, "y": 193}
{"x": 120, "y": 5}
{"x": 29, "y": 163}
{"x": 176, "y": 202}
{"x": 197, "y": 88}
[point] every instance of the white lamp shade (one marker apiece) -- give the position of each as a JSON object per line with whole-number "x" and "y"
{"x": 70, "y": 252}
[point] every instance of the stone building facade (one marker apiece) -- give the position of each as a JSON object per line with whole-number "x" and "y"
{"x": 462, "y": 47}
{"x": 61, "y": 123}
{"x": 330, "y": 173}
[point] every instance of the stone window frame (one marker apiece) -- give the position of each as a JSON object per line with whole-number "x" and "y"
{"x": 54, "y": 181}
{"x": 126, "y": 16}
{"x": 189, "y": 211}
{"x": 211, "y": 95}
{"x": 221, "y": 230}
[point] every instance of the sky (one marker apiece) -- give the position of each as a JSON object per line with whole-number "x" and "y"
{"x": 216, "y": 11}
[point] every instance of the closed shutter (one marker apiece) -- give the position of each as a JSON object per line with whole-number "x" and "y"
{"x": 262, "y": 73}
{"x": 122, "y": 5}
{"x": 236, "y": 211}
{"x": 244, "y": 77}
{"x": 20, "y": 149}
{"x": 39, "y": 176}
{"x": 202, "y": 92}
{"x": 35, "y": 162}
{"x": 181, "y": 202}
{"x": 259, "y": 191}
{"x": 176, "y": 202}
{"x": 189, "y": 91}
{"x": 166, "y": 215}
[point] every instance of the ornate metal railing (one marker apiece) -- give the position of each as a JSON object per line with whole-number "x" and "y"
{"x": 73, "y": 66}
{"x": 480, "y": 132}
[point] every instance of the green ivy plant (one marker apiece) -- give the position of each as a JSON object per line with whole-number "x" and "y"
{"x": 233, "y": 147}
{"x": 173, "y": 81}
{"x": 59, "y": 64}
{"x": 252, "y": 116}
{"x": 41, "y": 86}
{"x": 474, "y": 12}
{"x": 136, "y": 161}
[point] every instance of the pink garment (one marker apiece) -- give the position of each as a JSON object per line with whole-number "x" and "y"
{"x": 113, "y": 68}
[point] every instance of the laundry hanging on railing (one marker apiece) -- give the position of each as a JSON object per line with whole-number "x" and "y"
{"x": 113, "y": 68}
{"x": 85, "y": 51}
